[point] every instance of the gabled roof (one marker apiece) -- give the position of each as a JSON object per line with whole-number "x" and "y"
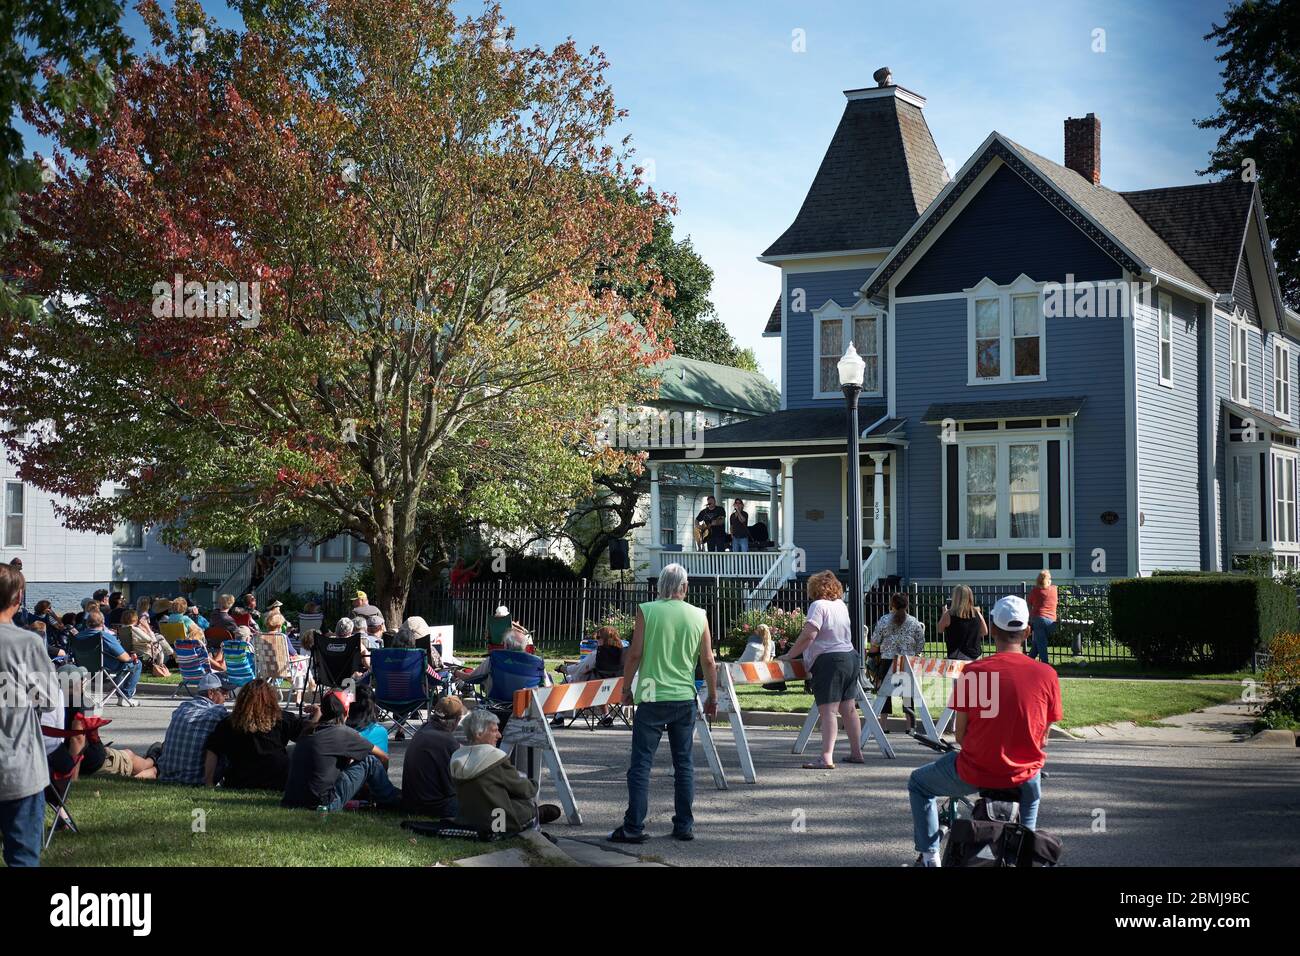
{"x": 1204, "y": 223}
{"x": 881, "y": 169}
{"x": 689, "y": 381}
{"x": 1100, "y": 213}
{"x": 773, "y": 326}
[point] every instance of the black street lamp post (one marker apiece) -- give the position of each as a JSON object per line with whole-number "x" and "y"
{"x": 852, "y": 368}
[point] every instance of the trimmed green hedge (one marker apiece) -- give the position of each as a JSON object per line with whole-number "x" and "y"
{"x": 1208, "y": 619}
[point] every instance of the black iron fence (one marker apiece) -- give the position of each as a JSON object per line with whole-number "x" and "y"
{"x": 560, "y": 613}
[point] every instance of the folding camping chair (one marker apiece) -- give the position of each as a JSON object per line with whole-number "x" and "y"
{"x": 401, "y": 685}
{"x": 90, "y": 656}
{"x": 172, "y": 631}
{"x": 241, "y": 668}
{"x": 608, "y": 664}
{"x": 511, "y": 671}
{"x": 334, "y": 660}
{"x": 56, "y": 794}
{"x": 276, "y": 662}
{"x": 192, "y": 659}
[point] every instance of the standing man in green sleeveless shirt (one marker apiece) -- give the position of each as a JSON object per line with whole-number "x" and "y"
{"x": 669, "y": 638}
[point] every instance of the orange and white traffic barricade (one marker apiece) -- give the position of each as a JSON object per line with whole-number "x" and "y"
{"x": 908, "y": 680}
{"x": 530, "y": 727}
{"x": 730, "y": 676}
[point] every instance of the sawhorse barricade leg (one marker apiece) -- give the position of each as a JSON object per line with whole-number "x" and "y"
{"x": 729, "y": 704}
{"x": 870, "y": 724}
{"x": 705, "y": 733}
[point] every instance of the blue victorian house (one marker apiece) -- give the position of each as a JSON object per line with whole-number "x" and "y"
{"x": 1058, "y": 375}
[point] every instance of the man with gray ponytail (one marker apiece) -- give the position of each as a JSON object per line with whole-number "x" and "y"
{"x": 669, "y": 639}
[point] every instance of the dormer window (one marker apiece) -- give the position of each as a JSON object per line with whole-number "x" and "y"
{"x": 832, "y": 327}
{"x": 1006, "y": 335}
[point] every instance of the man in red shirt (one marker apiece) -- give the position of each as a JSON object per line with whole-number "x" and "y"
{"x": 1005, "y": 704}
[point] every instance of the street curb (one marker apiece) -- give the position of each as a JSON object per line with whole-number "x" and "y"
{"x": 548, "y": 851}
{"x": 1274, "y": 738}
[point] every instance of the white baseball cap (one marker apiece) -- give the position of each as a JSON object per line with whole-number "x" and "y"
{"x": 501, "y": 611}
{"x": 1011, "y": 613}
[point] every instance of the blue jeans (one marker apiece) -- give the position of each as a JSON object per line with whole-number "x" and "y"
{"x": 1043, "y": 630}
{"x": 939, "y": 779}
{"x": 648, "y": 726}
{"x": 23, "y": 824}
{"x": 370, "y": 773}
{"x": 128, "y": 669}
{"x": 739, "y": 544}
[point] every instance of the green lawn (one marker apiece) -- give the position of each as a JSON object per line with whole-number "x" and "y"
{"x": 1085, "y": 701}
{"x": 139, "y": 823}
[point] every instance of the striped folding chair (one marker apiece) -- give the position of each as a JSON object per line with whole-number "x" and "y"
{"x": 192, "y": 659}
{"x": 401, "y": 684}
{"x": 241, "y": 665}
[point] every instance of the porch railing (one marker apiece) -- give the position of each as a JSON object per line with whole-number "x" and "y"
{"x": 238, "y": 570}
{"x": 275, "y": 583}
{"x": 762, "y": 593}
{"x": 721, "y": 564}
{"x": 873, "y": 569}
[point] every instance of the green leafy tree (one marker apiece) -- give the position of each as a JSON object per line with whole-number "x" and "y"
{"x": 1259, "y": 118}
{"x": 338, "y": 273}
{"x": 57, "y": 54}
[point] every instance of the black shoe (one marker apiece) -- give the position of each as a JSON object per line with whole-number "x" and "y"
{"x": 621, "y": 836}
{"x": 557, "y": 722}
{"x": 686, "y": 836}
{"x": 547, "y": 813}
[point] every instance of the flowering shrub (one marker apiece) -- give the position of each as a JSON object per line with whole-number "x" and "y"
{"x": 619, "y": 620}
{"x": 1280, "y": 707}
{"x": 785, "y": 626}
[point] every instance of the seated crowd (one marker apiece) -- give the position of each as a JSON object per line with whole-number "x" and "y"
{"x": 327, "y": 756}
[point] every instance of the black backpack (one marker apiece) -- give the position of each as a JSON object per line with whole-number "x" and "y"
{"x": 994, "y": 837}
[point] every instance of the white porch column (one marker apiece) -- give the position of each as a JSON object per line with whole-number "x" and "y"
{"x": 717, "y": 486}
{"x": 773, "y": 532}
{"x": 878, "y": 503}
{"x": 656, "y": 538}
{"x": 787, "y": 504}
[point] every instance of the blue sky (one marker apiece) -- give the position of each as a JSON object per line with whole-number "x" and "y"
{"x": 736, "y": 121}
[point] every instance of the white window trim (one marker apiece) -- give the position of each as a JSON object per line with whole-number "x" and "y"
{"x": 1164, "y": 307}
{"x": 1282, "y": 361}
{"x": 1239, "y": 359}
{"x": 1278, "y": 503}
{"x": 1002, "y": 542}
{"x": 4, "y": 530}
{"x": 986, "y": 288}
{"x": 143, "y": 530}
{"x": 831, "y": 310}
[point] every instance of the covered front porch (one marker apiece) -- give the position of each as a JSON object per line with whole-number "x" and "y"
{"x": 802, "y": 452}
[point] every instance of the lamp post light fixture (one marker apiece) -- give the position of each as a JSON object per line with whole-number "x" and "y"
{"x": 852, "y": 369}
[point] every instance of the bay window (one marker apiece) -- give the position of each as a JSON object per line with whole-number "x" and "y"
{"x": 1007, "y": 498}
{"x": 1007, "y": 332}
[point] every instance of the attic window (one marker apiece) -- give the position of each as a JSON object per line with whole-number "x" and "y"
{"x": 832, "y": 328}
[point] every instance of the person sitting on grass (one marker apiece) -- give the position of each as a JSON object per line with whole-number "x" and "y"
{"x": 363, "y": 717}
{"x": 118, "y": 661}
{"x": 1005, "y": 706}
{"x": 184, "y": 744}
{"x": 96, "y": 756}
{"x": 493, "y": 797}
{"x": 249, "y": 750}
{"x": 316, "y": 780}
{"x": 427, "y": 786}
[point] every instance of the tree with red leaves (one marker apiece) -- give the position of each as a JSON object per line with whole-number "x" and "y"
{"x": 357, "y": 265}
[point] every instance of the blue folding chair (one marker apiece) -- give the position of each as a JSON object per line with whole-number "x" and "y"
{"x": 241, "y": 666}
{"x": 401, "y": 685}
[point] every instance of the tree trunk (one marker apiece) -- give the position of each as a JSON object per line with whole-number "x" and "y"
{"x": 392, "y": 583}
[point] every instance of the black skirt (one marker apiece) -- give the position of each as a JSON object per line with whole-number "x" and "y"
{"x": 835, "y": 677}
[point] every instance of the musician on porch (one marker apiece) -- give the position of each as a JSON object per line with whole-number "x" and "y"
{"x": 711, "y": 526}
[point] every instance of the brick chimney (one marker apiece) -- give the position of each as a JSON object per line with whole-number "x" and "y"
{"x": 1083, "y": 147}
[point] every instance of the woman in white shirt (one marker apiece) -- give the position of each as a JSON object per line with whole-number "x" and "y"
{"x": 826, "y": 645}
